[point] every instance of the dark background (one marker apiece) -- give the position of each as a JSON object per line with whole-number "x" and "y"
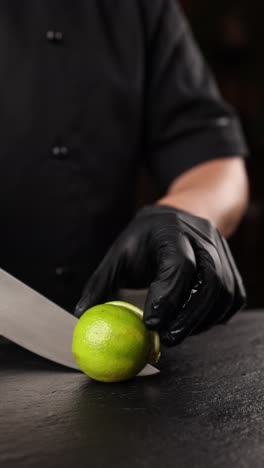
{"x": 230, "y": 34}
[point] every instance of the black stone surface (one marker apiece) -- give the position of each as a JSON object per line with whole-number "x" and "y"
{"x": 204, "y": 410}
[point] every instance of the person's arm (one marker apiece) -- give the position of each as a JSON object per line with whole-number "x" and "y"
{"x": 216, "y": 190}
{"x": 173, "y": 247}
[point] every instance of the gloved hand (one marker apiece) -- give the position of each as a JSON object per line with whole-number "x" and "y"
{"x": 186, "y": 264}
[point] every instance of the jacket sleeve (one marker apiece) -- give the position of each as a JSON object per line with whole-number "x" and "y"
{"x": 187, "y": 121}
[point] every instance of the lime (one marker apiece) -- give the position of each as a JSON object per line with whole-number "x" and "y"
{"x": 111, "y": 342}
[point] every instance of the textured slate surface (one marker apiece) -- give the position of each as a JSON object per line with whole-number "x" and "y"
{"x": 205, "y": 409}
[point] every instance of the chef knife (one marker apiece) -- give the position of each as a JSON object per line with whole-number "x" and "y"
{"x": 32, "y": 321}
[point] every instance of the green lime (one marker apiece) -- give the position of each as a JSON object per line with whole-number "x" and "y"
{"x": 111, "y": 342}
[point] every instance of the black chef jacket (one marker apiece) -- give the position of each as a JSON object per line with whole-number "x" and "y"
{"x": 90, "y": 91}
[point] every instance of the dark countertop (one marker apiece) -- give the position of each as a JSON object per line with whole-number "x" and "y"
{"x": 204, "y": 410}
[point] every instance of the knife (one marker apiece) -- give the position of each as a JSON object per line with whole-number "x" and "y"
{"x": 37, "y": 324}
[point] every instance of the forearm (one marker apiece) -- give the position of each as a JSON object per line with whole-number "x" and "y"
{"x": 216, "y": 190}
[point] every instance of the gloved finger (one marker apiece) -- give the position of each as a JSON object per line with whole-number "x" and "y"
{"x": 233, "y": 295}
{"x": 239, "y": 292}
{"x": 216, "y": 313}
{"x": 200, "y": 304}
{"x": 103, "y": 283}
{"x": 174, "y": 278}
{"x": 226, "y": 295}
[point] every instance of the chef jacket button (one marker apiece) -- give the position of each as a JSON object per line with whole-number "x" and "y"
{"x": 64, "y": 150}
{"x": 63, "y": 272}
{"x": 60, "y": 151}
{"x": 54, "y": 36}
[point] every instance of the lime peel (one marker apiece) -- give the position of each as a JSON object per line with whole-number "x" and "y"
{"x": 111, "y": 342}
{"x": 154, "y": 355}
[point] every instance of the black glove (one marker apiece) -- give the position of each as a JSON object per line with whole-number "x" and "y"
{"x": 186, "y": 264}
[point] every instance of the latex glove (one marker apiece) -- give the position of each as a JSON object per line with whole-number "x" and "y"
{"x": 186, "y": 264}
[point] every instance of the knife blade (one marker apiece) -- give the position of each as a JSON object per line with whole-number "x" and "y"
{"x": 32, "y": 321}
